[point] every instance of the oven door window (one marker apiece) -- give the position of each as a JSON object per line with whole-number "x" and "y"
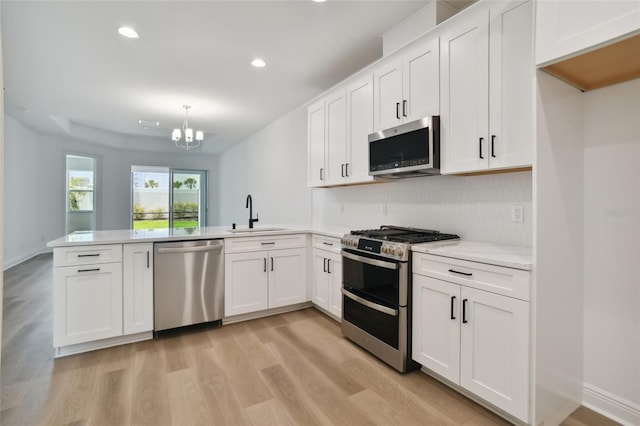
{"x": 378, "y": 283}
{"x": 381, "y": 325}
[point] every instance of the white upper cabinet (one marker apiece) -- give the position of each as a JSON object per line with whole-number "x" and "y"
{"x": 406, "y": 86}
{"x": 316, "y": 145}
{"x": 511, "y": 84}
{"x": 487, "y": 89}
{"x": 564, "y": 28}
{"x": 338, "y": 129}
{"x": 336, "y": 133}
{"x": 359, "y": 126}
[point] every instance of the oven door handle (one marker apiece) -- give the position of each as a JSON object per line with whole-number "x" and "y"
{"x": 373, "y": 262}
{"x": 374, "y": 306}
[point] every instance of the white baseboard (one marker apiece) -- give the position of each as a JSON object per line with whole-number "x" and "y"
{"x": 610, "y": 405}
{"x": 10, "y": 263}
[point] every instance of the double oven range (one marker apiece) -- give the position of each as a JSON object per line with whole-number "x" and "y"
{"x": 376, "y": 289}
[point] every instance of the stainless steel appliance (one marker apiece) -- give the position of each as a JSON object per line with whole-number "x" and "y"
{"x": 188, "y": 283}
{"x": 411, "y": 149}
{"x": 376, "y": 288}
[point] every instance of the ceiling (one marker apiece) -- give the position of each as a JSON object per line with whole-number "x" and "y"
{"x": 68, "y": 72}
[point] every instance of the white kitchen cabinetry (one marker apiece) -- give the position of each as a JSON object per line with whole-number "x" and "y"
{"x": 359, "y": 126}
{"x": 335, "y": 106}
{"x": 564, "y": 28}
{"x": 246, "y": 283}
{"x": 474, "y": 338}
{"x": 338, "y": 130}
{"x": 87, "y": 294}
{"x": 327, "y": 275}
{"x": 137, "y": 288}
{"x": 406, "y": 86}
{"x": 270, "y": 278}
{"x": 315, "y": 145}
{"x": 487, "y": 77}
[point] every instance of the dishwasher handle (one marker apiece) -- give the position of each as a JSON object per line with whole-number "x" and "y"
{"x": 188, "y": 249}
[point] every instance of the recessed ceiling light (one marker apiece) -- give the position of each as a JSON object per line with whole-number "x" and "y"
{"x": 258, "y": 63}
{"x": 148, "y": 124}
{"x": 128, "y": 32}
{"x": 319, "y": 1}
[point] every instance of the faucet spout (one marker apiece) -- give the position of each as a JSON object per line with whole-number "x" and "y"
{"x": 249, "y": 205}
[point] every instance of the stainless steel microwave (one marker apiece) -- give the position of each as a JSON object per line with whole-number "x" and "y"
{"x": 411, "y": 149}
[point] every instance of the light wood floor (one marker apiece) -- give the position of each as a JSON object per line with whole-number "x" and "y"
{"x": 290, "y": 369}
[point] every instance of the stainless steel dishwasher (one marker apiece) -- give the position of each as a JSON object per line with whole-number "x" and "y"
{"x": 188, "y": 283}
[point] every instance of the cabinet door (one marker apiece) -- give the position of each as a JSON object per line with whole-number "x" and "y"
{"x": 568, "y": 27}
{"x": 511, "y": 85}
{"x": 287, "y": 277}
{"x": 421, "y": 81}
{"x": 387, "y": 96}
{"x": 436, "y": 326}
{"x": 334, "y": 272}
{"x": 465, "y": 94}
{"x": 245, "y": 283}
{"x": 336, "y": 134}
{"x": 87, "y": 303}
{"x": 320, "y": 287}
{"x": 494, "y": 351}
{"x": 315, "y": 144}
{"x": 137, "y": 288}
{"x": 359, "y": 125}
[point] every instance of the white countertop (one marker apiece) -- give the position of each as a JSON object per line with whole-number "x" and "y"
{"x": 121, "y": 236}
{"x": 494, "y": 254}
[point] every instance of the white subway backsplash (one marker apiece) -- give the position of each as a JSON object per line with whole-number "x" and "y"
{"x": 478, "y": 208}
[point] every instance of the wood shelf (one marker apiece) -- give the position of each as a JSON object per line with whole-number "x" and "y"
{"x": 611, "y": 64}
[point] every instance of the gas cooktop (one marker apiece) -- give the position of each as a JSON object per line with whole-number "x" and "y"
{"x": 404, "y": 235}
{"x": 391, "y": 241}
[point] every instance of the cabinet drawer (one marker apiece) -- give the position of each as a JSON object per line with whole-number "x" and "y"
{"x": 84, "y": 255}
{"x": 496, "y": 279}
{"x": 321, "y": 242}
{"x": 276, "y": 242}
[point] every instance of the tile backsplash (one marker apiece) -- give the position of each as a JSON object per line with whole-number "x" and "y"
{"x": 478, "y": 208}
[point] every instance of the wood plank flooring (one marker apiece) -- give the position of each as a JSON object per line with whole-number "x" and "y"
{"x": 290, "y": 369}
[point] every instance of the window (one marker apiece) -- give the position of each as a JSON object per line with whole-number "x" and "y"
{"x": 80, "y": 193}
{"x": 162, "y": 197}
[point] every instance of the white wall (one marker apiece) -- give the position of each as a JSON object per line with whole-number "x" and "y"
{"x": 477, "y": 208}
{"x": 34, "y": 186}
{"x": 612, "y": 248}
{"x": 271, "y": 165}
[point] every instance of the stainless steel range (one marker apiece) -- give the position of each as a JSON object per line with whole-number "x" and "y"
{"x": 376, "y": 288}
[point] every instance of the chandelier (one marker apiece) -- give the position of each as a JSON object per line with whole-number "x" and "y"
{"x": 188, "y": 142}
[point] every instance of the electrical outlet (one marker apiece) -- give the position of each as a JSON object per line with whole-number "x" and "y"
{"x": 341, "y": 208}
{"x": 383, "y": 209}
{"x": 517, "y": 213}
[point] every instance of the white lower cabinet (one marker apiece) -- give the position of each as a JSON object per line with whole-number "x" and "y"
{"x": 474, "y": 338}
{"x": 255, "y": 281}
{"x": 327, "y": 281}
{"x": 137, "y": 288}
{"x": 87, "y": 302}
{"x": 100, "y": 293}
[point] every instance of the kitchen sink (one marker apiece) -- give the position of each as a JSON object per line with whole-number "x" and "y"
{"x": 251, "y": 230}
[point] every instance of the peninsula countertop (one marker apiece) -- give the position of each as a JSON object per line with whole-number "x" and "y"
{"x": 124, "y": 236}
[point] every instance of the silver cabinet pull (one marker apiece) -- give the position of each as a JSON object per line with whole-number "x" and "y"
{"x": 89, "y": 255}
{"x": 89, "y": 270}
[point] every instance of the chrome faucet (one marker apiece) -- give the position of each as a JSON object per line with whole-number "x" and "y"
{"x": 249, "y": 205}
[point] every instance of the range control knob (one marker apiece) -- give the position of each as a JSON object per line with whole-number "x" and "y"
{"x": 398, "y": 251}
